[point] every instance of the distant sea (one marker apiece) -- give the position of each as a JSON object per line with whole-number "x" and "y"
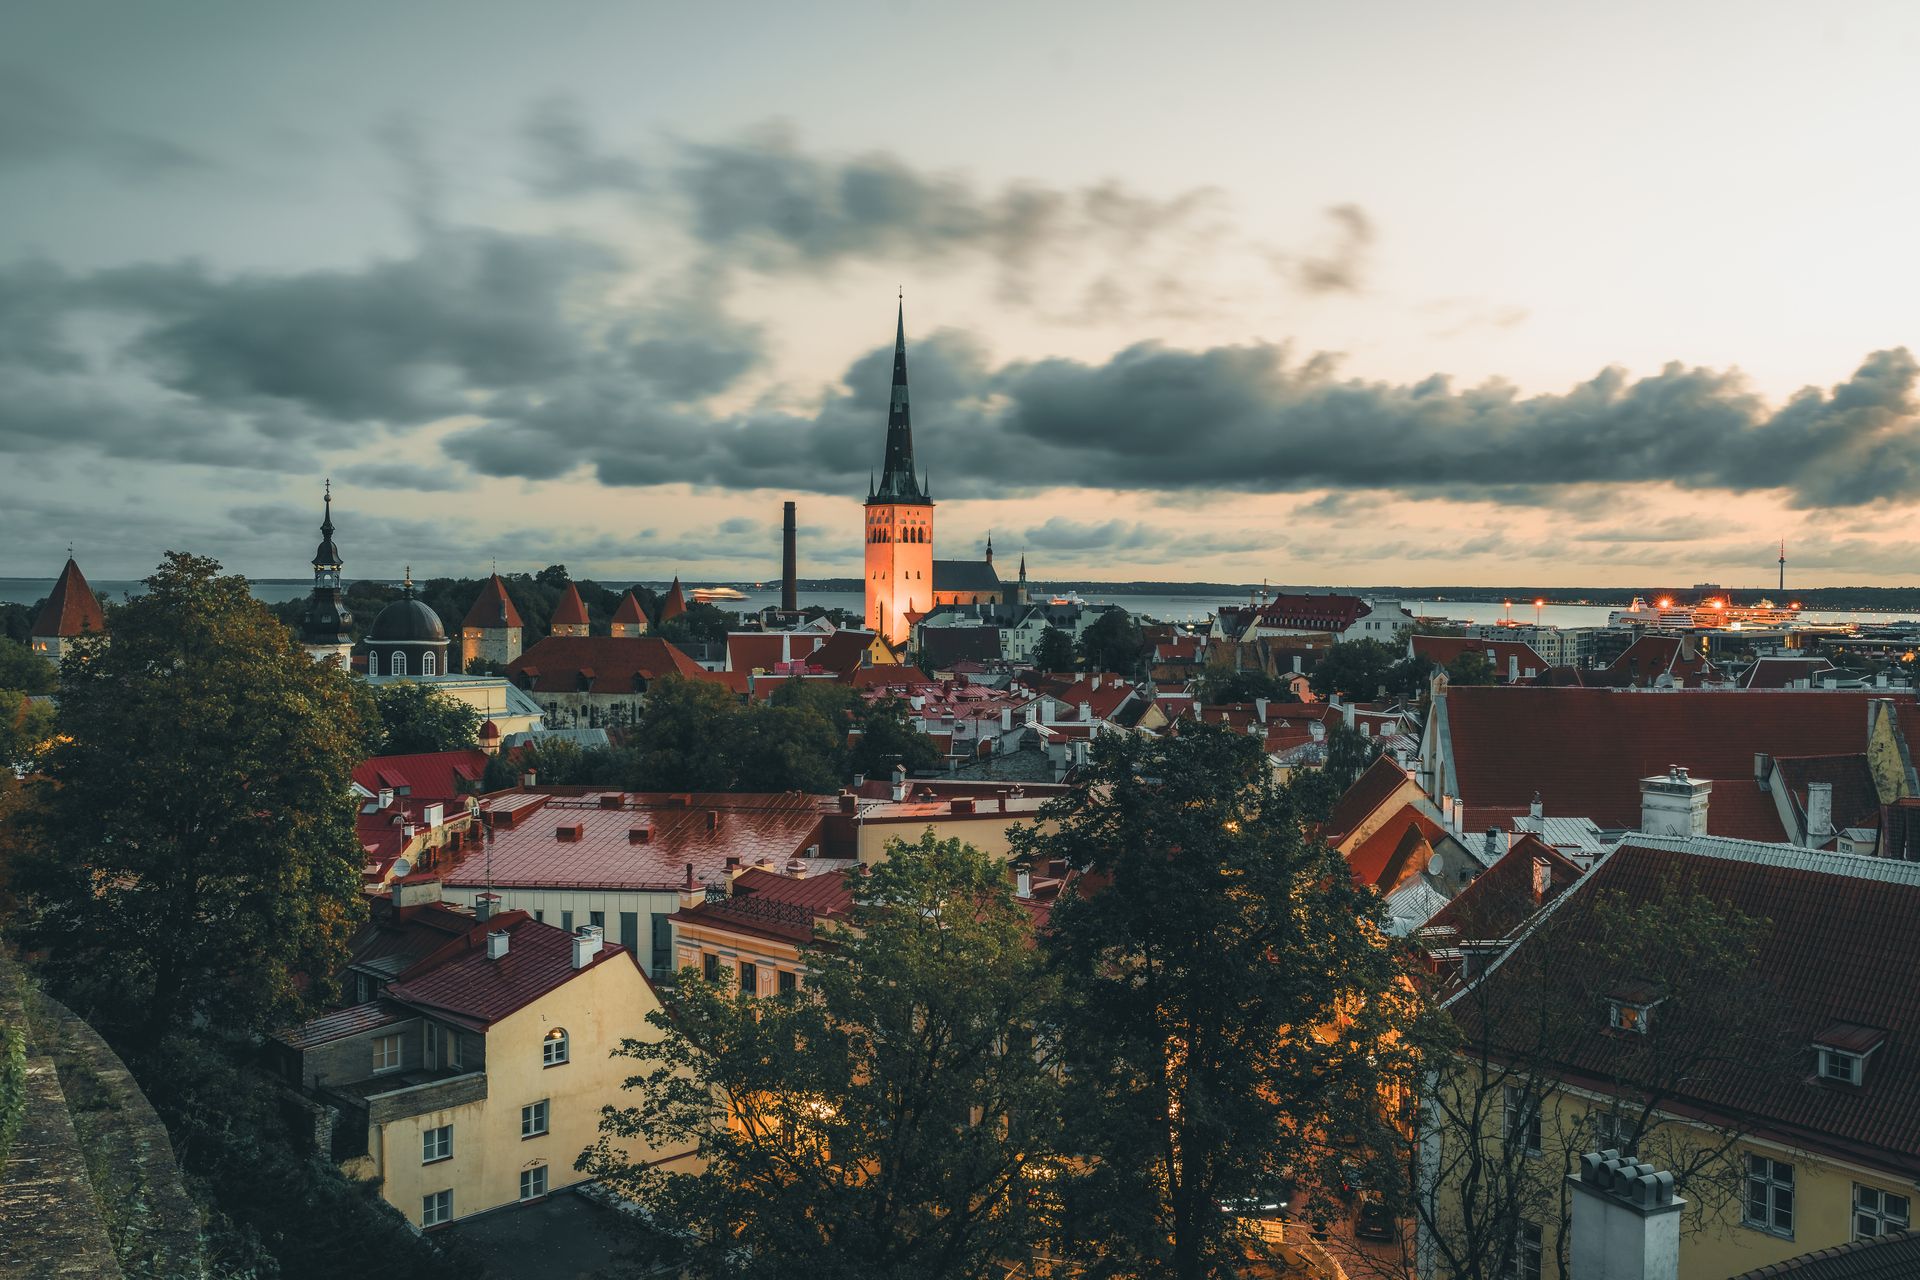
{"x": 1165, "y": 608}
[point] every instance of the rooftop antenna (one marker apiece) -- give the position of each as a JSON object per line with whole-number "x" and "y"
{"x": 1783, "y": 566}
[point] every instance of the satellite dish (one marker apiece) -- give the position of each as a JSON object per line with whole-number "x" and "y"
{"x": 1434, "y": 865}
{"x": 402, "y": 868}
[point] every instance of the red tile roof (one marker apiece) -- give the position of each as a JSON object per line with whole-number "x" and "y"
{"x": 598, "y": 664}
{"x": 406, "y": 935}
{"x": 1838, "y": 947}
{"x": 341, "y": 1023}
{"x": 1585, "y": 750}
{"x": 1314, "y": 613}
{"x": 1856, "y": 801}
{"x": 629, "y": 611}
{"x": 703, "y": 829}
{"x": 1781, "y": 673}
{"x": 571, "y": 611}
{"x": 1445, "y": 649}
{"x": 1650, "y": 657}
{"x": 1382, "y": 858}
{"x": 432, "y": 775}
{"x": 493, "y": 607}
{"x": 675, "y": 604}
{"x": 769, "y": 905}
{"x": 1890, "y": 1257}
{"x": 1500, "y": 899}
{"x": 71, "y": 608}
{"x": 765, "y": 650}
{"x": 462, "y": 981}
{"x": 1368, "y": 792}
{"x": 1900, "y": 829}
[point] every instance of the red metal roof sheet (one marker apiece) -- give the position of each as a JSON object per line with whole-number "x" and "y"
{"x": 468, "y": 984}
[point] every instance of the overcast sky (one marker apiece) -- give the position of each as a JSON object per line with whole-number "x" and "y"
{"x": 1341, "y": 293}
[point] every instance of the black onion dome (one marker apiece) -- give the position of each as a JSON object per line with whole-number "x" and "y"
{"x": 407, "y": 619}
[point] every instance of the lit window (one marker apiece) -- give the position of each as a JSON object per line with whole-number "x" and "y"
{"x": 436, "y": 1144}
{"x": 1522, "y": 1119}
{"x": 1629, "y": 1017}
{"x": 1769, "y": 1200}
{"x": 553, "y": 1050}
{"x": 436, "y": 1208}
{"x": 1878, "y": 1213}
{"x": 386, "y": 1053}
{"x": 533, "y": 1183}
{"x": 1524, "y": 1263}
{"x": 533, "y": 1119}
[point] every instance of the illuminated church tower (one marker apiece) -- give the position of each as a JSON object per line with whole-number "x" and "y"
{"x": 899, "y": 519}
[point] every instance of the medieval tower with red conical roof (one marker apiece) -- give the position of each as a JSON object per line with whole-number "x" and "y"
{"x": 491, "y": 631}
{"x": 69, "y": 613}
{"x": 899, "y": 518}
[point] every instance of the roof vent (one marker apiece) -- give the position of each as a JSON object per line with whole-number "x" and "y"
{"x": 639, "y": 835}
{"x": 570, "y": 831}
{"x": 611, "y": 799}
{"x": 713, "y": 820}
{"x": 496, "y": 944}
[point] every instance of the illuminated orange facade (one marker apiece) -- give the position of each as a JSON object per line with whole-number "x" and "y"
{"x": 899, "y": 520}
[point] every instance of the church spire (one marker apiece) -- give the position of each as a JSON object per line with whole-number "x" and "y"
{"x": 326, "y": 556}
{"x": 897, "y": 480}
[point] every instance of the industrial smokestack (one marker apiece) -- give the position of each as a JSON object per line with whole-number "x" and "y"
{"x": 789, "y": 565}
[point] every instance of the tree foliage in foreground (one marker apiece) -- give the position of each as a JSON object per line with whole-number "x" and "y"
{"x": 417, "y": 717}
{"x": 191, "y": 849}
{"x": 1232, "y": 1020}
{"x": 894, "y": 1118}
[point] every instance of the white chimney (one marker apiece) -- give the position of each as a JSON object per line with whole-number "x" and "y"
{"x": 586, "y": 945}
{"x": 1674, "y": 804}
{"x": 1260, "y": 709}
{"x": 1023, "y": 883}
{"x": 1819, "y": 812}
{"x": 1086, "y": 711}
{"x": 859, "y": 780}
{"x": 1006, "y": 719}
{"x": 1513, "y": 669}
{"x": 408, "y": 895}
{"x": 496, "y": 944}
{"x": 386, "y": 797}
{"x": 1762, "y": 767}
{"x": 1626, "y": 1220}
{"x": 1536, "y": 809}
{"x": 899, "y": 783}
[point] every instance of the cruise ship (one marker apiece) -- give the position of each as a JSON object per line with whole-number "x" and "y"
{"x": 712, "y": 595}
{"x": 1709, "y": 613}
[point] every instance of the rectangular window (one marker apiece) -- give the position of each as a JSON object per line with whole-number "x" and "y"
{"x": 436, "y": 1208}
{"x": 436, "y": 1144}
{"x": 1842, "y": 1067}
{"x": 539, "y": 917}
{"x": 533, "y": 1119}
{"x": 630, "y": 932}
{"x": 533, "y": 1183}
{"x": 1769, "y": 1200}
{"x": 789, "y": 982}
{"x": 598, "y": 919}
{"x": 1522, "y": 1116}
{"x": 1610, "y": 1130}
{"x": 566, "y": 921}
{"x": 662, "y": 943}
{"x": 386, "y": 1053}
{"x": 1525, "y": 1262}
{"x": 749, "y": 979}
{"x": 710, "y": 966}
{"x": 1877, "y": 1212}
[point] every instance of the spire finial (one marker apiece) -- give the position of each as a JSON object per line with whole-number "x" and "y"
{"x": 407, "y": 582}
{"x": 69, "y": 548}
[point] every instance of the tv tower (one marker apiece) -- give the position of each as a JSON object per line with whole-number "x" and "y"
{"x": 1783, "y": 566}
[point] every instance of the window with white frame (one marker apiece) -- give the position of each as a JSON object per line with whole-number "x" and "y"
{"x": 436, "y": 1144}
{"x": 533, "y": 1182}
{"x": 373, "y": 662}
{"x": 553, "y": 1049}
{"x": 436, "y": 1208}
{"x": 1521, "y": 1114}
{"x": 533, "y": 1119}
{"x": 386, "y": 1053}
{"x": 426, "y": 664}
{"x": 397, "y": 664}
{"x": 1769, "y": 1199}
{"x": 1524, "y": 1262}
{"x": 1839, "y": 1066}
{"x": 1878, "y": 1213}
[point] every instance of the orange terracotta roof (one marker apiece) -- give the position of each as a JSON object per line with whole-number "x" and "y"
{"x": 71, "y": 608}
{"x": 675, "y": 604}
{"x": 572, "y": 610}
{"x": 493, "y": 607}
{"x": 630, "y": 613}
{"x": 599, "y": 664}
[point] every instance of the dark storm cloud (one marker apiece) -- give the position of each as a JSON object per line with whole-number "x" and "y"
{"x": 402, "y": 475}
{"x": 40, "y": 124}
{"x": 1061, "y": 538}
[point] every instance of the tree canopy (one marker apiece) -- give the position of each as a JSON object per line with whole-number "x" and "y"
{"x": 887, "y": 1119}
{"x": 417, "y": 717}
{"x": 1054, "y": 652}
{"x": 1113, "y": 642}
{"x": 1232, "y": 1019}
{"x": 191, "y": 847}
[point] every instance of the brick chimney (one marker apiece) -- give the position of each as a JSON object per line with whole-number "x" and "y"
{"x": 1542, "y": 879}
{"x": 1626, "y": 1220}
{"x": 1674, "y": 804}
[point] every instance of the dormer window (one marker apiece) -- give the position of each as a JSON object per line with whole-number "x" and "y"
{"x": 1630, "y": 1008}
{"x": 1842, "y": 1050}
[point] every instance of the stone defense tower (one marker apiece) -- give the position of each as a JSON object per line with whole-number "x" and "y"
{"x": 491, "y": 631}
{"x": 569, "y": 614}
{"x": 326, "y": 629}
{"x": 899, "y": 514}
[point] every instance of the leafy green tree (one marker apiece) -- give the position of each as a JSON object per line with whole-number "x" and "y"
{"x": 1349, "y": 752}
{"x": 1054, "y": 652}
{"x": 193, "y": 850}
{"x": 888, "y": 738}
{"x": 784, "y": 749}
{"x": 702, "y": 623}
{"x": 1224, "y": 684}
{"x": 1354, "y": 669}
{"x": 1113, "y": 642}
{"x": 418, "y": 717}
{"x": 1232, "y": 1015}
{"x": 685, "y": 737}
{"x": 25, "y": 727}
{"x": 1471, "y": 667}
{"x": 553, "y": 577}
{"x": 23, "y": 670}
{"x": 895, "y": 1117}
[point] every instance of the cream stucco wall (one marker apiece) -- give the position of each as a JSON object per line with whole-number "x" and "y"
{"x": 987, "y": 832}
{"x": 598, "y": 1009}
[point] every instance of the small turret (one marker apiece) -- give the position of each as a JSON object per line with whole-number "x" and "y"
{"x": 326, "y": 629}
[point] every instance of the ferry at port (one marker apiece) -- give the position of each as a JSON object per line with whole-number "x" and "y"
{"x": 1713, "y": 611}
{"x": 718, "y": 595}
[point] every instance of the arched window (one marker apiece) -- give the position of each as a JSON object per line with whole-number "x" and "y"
{"x": 553, "y": 1050}
{"x": 373, "y": 662}
{"x": 426, "y": 664}
{"x": 398, "y": 663}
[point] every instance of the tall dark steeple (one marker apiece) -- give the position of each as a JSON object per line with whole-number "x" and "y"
{"x": 327, "y": 629}
{"x": 897, "y": 481}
